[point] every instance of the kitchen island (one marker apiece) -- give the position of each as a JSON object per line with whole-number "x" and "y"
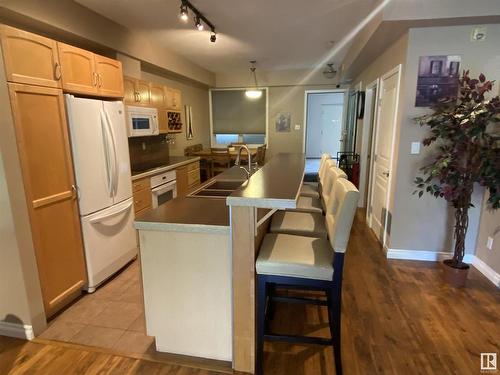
{"x": 198, "y": 261}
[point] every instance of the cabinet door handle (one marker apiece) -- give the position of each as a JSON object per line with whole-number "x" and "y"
{"x": 139, "y": 96}
{"x": 74, "y": 192}
{"x": 99, "y": 79}
{"x": 57, "y": 71}
{"x": 94, "y": 76}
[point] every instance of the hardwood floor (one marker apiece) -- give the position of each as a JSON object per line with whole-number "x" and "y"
{"x": 398, "y": 318}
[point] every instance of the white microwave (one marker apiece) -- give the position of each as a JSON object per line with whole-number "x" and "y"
{"x": 142, "y": 121}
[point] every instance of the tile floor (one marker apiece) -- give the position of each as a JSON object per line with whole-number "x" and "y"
{"x": 110, "y": 318}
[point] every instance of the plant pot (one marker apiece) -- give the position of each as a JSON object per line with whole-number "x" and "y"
{"x": 455, "y": 276}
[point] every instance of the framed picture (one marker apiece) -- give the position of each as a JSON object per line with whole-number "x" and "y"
{"x": 437, "y": 79}
{"x": 283, "y": 122}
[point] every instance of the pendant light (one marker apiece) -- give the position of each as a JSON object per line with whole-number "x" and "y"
{"x": 253, "y": 93}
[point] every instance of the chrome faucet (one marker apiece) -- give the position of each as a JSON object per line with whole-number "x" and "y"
{"x": 238, "y": 160}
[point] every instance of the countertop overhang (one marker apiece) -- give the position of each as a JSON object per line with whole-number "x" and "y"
{"x": 276, "y": 185}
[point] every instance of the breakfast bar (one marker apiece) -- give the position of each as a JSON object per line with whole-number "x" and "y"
{"x": 198, "y": 261}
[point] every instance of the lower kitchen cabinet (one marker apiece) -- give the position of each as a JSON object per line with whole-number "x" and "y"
{"x": 47, "y": 168}
{"x": 142, "y": 195}
{"x": 188, "y": 178}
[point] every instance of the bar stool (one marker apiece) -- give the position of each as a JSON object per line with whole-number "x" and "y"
{"x": 311, "y": 189}
{"x": 309, "y": 264}
{"x": 311, "y": 224}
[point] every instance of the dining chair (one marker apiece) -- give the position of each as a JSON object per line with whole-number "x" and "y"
{"x": 260, "y": 157}
{"x": 220, "y": 160}
{"x": 311, "y": 204}
{"x": 311, "y": 224}
{"x": 306, "y": 263}
{"x": 311, "y": 189}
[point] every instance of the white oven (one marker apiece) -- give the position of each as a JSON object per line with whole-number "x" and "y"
{"x": 142, "y": 121}
{"x": 163, "y": 188}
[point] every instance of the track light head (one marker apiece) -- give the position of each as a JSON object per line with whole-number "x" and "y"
{"x": 184, "y": 13}
{"x": 213, "y": 37}
{"x": 198, "y": 23}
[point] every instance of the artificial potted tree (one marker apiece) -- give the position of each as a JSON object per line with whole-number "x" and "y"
{"x": 465, "y": 134}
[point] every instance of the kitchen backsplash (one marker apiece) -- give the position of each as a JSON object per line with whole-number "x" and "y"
{"x": 148, "y": 152}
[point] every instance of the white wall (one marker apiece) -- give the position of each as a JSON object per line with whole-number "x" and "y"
{"x": 427, "y": 223}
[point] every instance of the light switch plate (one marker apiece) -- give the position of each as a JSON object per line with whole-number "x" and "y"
{"x": 415, "y": 148}
{"x": 489, "y": 243}
{"x": 297, "y": 126}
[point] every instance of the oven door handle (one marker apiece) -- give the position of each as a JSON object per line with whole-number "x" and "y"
{"x": 164, "y": 187}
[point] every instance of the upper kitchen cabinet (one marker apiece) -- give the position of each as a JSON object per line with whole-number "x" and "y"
{"x": 137, "y": 92}
{"x": 174, "y": 100}
{"x": 109, "y": 76}
{"x": 78, "y": 70}
{"x": 158, "y": 96}
{"x": 159, "y": 101}
{"x": 29, "y": 58}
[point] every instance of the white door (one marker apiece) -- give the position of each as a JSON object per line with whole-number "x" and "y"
{"x": 115, "y": 116}
{"x": 110, "y": 241}
{"x": 331, "y": 128}
{"x": 383, "y": 152}
{"x": 89, "y": 154}
{"x": 324, "y": 123}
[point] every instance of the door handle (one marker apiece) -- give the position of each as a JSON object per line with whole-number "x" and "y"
{"x": 57, "y": 71}
{"x": 74, "y": 192}
{"x": 386, "y": 174}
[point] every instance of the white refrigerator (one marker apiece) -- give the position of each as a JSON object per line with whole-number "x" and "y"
{"x": 102, "y": 170}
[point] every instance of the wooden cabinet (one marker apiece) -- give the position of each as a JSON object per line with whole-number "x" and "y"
{"x": 109, "y": 76}
{"x": 142, "y": 195}
{"x": 159, "y": 101}
{"x": 174, "y": 100}
{"x": 137, "y": 92}
{"x": 47, "y": 168}
{"x": 78, "y": 70}
{"x": 30, "y": 58}
{"x": 84, "y": 72}
{"x": 129, "y": 93}
{"x": 188, "y": 178}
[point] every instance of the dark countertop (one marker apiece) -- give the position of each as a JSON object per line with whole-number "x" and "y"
{"x": 276, "y": 185}
{"x": 172, "y": 163}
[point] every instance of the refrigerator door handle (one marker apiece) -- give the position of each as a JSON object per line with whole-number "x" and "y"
{"x": 114, "y": 157}
{"x": 114, "y": 213}
{"x": 106, "y": 151}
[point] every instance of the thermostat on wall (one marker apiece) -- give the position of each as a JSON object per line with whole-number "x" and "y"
{"x": 478, "y": 34}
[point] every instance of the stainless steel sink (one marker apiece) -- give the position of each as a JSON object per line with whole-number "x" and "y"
{"x": 225, "y": 185}
{"x": 216, "y": 189}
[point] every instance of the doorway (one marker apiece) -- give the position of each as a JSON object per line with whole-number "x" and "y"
{"x": 323, "y": 125}
{"x": 382, "y": 155}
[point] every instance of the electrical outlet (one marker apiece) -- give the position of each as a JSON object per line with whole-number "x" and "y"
{"x": 489, "y": 243}
{"x": 415, "y": 148}
{"x": 297, "y": 126}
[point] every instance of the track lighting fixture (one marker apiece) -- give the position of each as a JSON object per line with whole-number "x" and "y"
{"x": 200, "y": 21}
{"x": 184, "y": 12}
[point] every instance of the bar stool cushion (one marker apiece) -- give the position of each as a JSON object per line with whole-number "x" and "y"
{"x": 299, "y": 224}
{"x": 295, "y": 256}
{"x": 308, "y": 204}
{"x": 309, "y": 191}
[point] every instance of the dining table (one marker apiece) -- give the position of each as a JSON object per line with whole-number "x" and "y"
{"x": 208, "y": 153}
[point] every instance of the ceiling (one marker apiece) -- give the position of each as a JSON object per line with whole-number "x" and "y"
{"x": 279, "y": 34}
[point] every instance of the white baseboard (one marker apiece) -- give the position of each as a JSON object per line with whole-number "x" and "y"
{"x": 20, "y": 331}
{"x": 487, "y": 271}
{"x": 434, "y": 256}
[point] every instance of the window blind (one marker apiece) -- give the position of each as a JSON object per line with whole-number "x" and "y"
{"x": 234, "y": 113}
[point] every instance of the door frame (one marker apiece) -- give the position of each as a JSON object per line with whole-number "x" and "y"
{"x": 367, "y": 147}
{"x": 326, "y": 91}
{"x": 395, "y": 70}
